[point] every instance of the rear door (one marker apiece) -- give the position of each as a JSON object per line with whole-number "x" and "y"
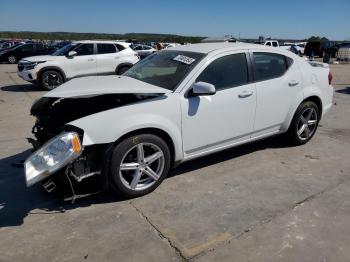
{"x": 278, "y": 83}
{"x": 84, "y": 63}
{"x": 107, "y": 58}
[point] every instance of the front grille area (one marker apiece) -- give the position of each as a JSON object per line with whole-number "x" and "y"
{"x": 20, "y": 67}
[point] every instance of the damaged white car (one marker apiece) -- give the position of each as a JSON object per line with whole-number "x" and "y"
{"x": 126, "y": 132}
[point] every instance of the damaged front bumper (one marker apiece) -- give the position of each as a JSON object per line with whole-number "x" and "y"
{"x": 62, "y": 165}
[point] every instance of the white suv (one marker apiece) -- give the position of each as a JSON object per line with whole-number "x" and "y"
{"x": 80, "y": 58}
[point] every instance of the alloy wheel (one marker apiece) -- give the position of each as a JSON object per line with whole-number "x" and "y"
{"x": 307, "y": 123}
{"x": 12, "y": 59}
{"x": 52, "y": 80}
{"x": 141, "y": 166}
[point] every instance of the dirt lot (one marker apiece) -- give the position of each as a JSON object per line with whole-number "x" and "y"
{"x": 259, "y": 202}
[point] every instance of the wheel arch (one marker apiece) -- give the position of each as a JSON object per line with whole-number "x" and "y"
{"x": 122, "y": 65}
{"x": 51, "y": 68}
{"x": 317, "y": 100}
{"x": 153, "y": 131}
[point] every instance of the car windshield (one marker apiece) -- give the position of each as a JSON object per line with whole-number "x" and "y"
{"x": 64, "y": 50}
{"x": 165, "y": 69}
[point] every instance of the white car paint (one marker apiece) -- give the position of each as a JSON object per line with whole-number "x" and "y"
{"x": 204, "y": 124}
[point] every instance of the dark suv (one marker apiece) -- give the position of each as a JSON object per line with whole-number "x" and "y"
{"x": 15, "y": 54}
{"x": 321, "y": 48}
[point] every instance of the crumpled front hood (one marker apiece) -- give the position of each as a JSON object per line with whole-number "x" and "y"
{"x": 100, "y": 85}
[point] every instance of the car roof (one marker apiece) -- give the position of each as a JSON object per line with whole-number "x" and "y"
{"x": 100, "y": 42}
{"x": 211, "y": 47}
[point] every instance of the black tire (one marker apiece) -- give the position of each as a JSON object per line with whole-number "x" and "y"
{"x": 121, "y": 151}
{"x": 122, "y": 70}
{"x": 292, "y": 134}
{"x": 50, "y": 79}
{"x": 12, "y": 59}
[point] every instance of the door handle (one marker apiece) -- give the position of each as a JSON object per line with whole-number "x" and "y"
{"x": 245, "y": 94}
{"x": 293, "y": 83}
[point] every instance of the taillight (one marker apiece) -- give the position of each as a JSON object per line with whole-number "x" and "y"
{"x": 330, "y": 78}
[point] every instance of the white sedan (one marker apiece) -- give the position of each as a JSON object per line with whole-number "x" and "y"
{"x": 126, "y": 132}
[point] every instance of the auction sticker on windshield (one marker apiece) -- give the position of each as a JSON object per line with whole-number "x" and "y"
{"x": 184, "y": 59}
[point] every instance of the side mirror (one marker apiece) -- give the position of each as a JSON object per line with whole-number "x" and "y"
{"x": 72, "y": 53}
{"x": 203, "y": 89}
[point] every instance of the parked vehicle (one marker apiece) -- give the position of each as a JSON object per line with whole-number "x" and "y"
{"x": 321, "y": 48}
{"x": 18, "y": 52}
{"x": 273, "y": 43}
{"x": 179, "y": 104}
{"x": 143, "y": 50}
{"x": 77, "y": 59}
{"x": 343, "y": 53}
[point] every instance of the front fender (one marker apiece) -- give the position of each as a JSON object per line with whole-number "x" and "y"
{"x": 108, "y": 126}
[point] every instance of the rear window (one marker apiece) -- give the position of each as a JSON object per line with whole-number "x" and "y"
{"x": 105, "y": 48}
{"x": 270, "y": 65}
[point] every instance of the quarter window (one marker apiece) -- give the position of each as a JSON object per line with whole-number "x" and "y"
{"x": 269, "y": 65}
{"x": 106, "y": 48}
{"x": 226, "y": 72}
{"x": 84, "y": 49}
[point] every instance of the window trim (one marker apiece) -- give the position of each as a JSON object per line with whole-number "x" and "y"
{"x": 94, "y": 48}
{"x": 251, "y": 56}
{"x": 115, "y": 48}
{"x": 249, "y": 78}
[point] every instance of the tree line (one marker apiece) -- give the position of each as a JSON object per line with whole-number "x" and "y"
{"x": 141, "y": 37}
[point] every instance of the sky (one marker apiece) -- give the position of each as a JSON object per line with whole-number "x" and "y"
{"x": 293, "y": 19}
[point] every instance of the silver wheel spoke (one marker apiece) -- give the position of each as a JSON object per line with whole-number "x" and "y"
{"x": 140, "y": 153}
{"x": 311, "y": 122}
{"x": 303, "y": 119}
{"x": 135, "y": 179}
{"x": 309, "y": 114}
{"x": 129, "y": 166}
{"x": 307, "y": 131}
{"x": 150, "y": 159}
{"x": 149, "y": 172}
{"x": 302, "y": 129}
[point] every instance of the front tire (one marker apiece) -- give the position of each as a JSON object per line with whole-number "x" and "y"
{"x": 50, "y": 79}
{"x": 304, "y": 123}
{"x": 122, "y": 70}
{"x": 138, "y": 165}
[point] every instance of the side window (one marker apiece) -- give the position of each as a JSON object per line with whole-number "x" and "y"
{"x": 226, "y": 72}
{"x": 120, "y": 47}
{"x": 26, "y": 48}
{"x": 274, "y": 44}
{"x": 39, "y": 47}
{"x": 84, "y": 49}
{"x": 105, "y": 48}
{"x": 269, "y": 65}
{"x": 268, "y": 43}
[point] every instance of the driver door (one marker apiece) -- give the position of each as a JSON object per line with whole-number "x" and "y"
{"x": 84, "y": 63}
{"x": 225, "y": 118}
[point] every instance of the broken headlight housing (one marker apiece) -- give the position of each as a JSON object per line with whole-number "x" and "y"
{"x": 53, "y": 155}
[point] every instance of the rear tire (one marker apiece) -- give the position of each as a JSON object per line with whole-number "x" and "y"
{"x": 50, "y": 79}
{"x": 304, "y": 123}
{"x": 138, "y": 165}
{"x": 122, "y": 70}
{"x": 12, "y": 59}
